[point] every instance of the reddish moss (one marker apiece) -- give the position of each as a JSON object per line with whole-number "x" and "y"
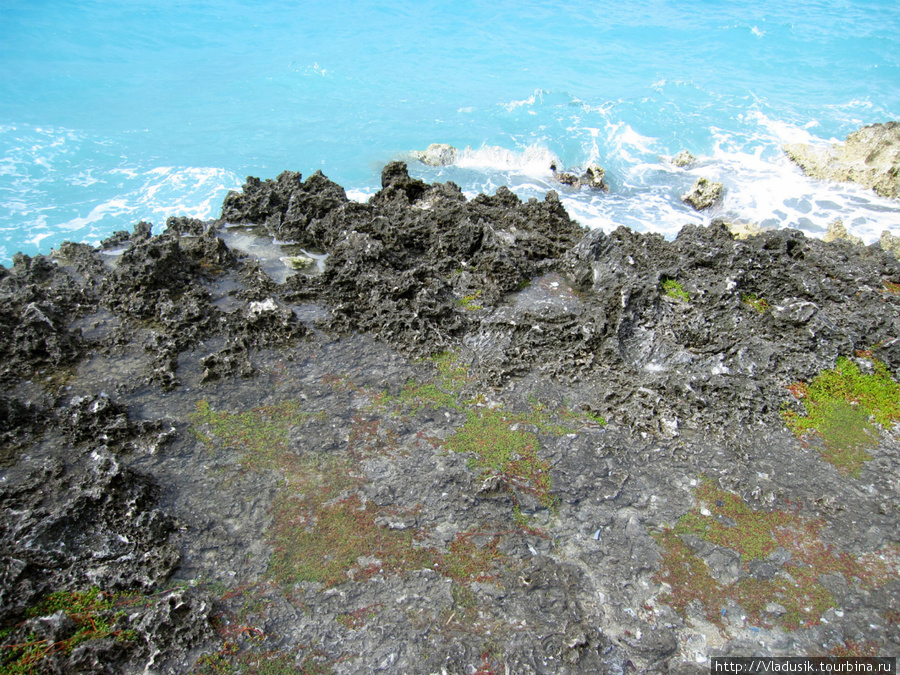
{"x": 323, "y": 542}
{"x": 689, "y": 580}
{"x": 466, "y": 561}
{"x": 856, "y": 648}
{"x": 793, "y": 598}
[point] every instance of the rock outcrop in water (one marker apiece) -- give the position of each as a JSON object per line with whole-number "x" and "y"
{"x": 481, "y": 439}
{"x": 703, "y": 194}
{"x": 869, "y": 156}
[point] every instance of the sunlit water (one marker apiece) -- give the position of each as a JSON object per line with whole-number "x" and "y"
{"x": 112, "y": 113}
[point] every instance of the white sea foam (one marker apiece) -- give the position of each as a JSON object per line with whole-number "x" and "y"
{"x": 534, "y": 160}
{"x": 763, "y": 186}
{"x": 536, "y": 97}
{"x": 114, "y": 208}
{"x": 359, "y": 195}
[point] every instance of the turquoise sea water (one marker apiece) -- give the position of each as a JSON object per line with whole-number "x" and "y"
{"x": 115, "y": 112}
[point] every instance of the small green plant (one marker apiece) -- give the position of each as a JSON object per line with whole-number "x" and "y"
{"x": 761, "y": 305}
{"x": 674, "y": 289}
{"x": 843, "y": 406}
{"x": 415, "y": 396}
{"x": 469, "y": 302}
{"x": 452, "y": 374}
{"x": 262, "y": 432}
{"x": 463, "y": 597}
{"x": 95, "y": 617}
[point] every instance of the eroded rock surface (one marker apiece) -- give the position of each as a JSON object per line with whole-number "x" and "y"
{"x": 481, "y": 439}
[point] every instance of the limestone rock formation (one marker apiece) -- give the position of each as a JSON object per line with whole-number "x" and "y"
{"x": 837, "y": 231}
{"x": 683, "y": 159}
{"x": 703, "y": 194}
{"x": 870, "y": 157}
{"x": 437, "y": 154}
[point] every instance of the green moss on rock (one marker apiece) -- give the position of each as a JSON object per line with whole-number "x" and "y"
{"x": 843, "y": 406}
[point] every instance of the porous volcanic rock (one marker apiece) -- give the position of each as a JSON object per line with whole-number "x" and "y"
{"x": 730, "y": 354}
{"x": 401, "y": 265}
{"x": 37, "y": 303}
{"x": 94, "y": 523}
{"x": 870, "y": 156}
{"x": 478, "y": 440}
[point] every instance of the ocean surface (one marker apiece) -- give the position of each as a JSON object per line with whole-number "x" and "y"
{"x": 111, "y": 113}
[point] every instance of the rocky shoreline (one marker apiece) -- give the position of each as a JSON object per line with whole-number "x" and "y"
{"x": 440, "y": 435}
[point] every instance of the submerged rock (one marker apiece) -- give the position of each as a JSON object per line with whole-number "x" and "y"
{"x": 869, "y": 156}
{"x": 593, "y": 178}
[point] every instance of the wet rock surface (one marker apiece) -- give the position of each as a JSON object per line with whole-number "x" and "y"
{"x": 481, "y": 439}
{"x": 870, "y": 156}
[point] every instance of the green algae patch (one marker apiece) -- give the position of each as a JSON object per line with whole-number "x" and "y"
{"x": 761, "y": 305}
{"x": 843, "y": 406}
{"x": 331, "y": 543}
{"x": 499, "y": 447}
{"x": 793, "y": 597}
{"x": 674, "y": 289}
{"x": 470, "y": 302}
